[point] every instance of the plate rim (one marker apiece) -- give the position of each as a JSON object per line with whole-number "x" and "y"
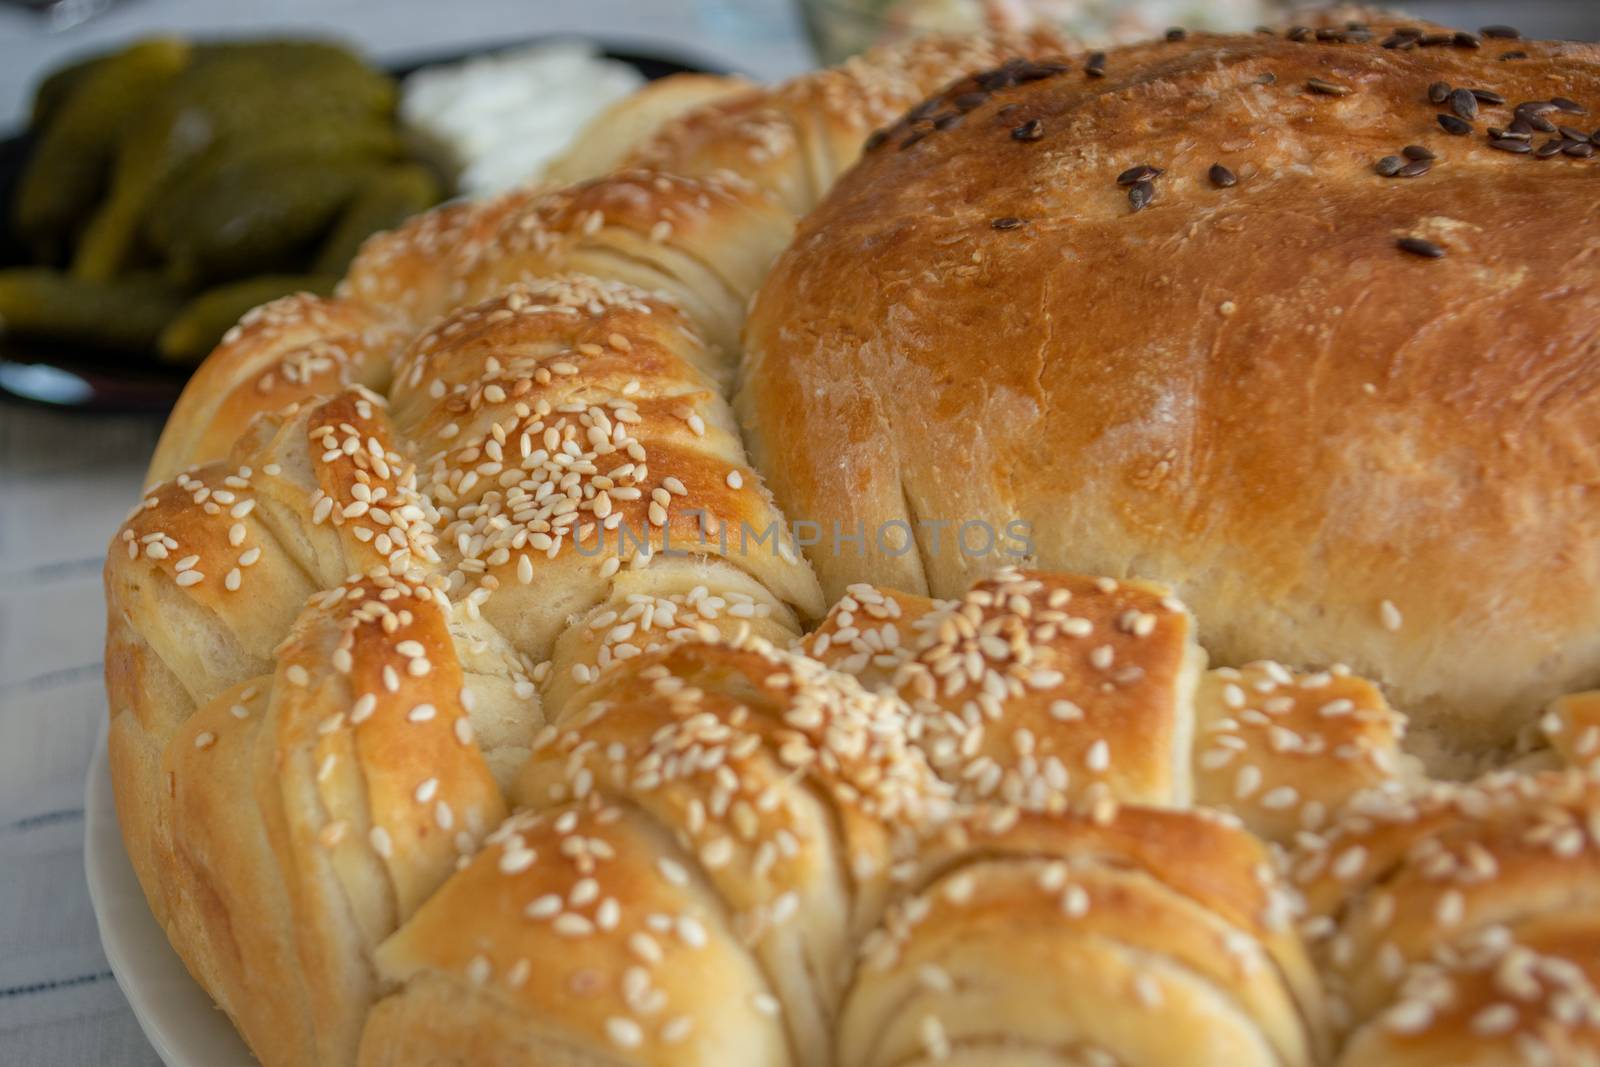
{"x": 179, "y": 1019}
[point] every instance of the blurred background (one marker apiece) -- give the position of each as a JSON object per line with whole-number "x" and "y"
{"x": 167, "y": 164}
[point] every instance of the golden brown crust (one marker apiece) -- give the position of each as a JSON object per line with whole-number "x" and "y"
{"x": 869, "y": 632}
{"x": 576, "y": 939}
{"x": 1286, "y": 751}
{"x": 795, "y": 139}
{"x": 1087, "y": 932}
{"x": 1040, "y": 688}
{"x": 1249, "y": 392}
{"x": 1405, "y": 897}
{"x": 606, "y": 142}
{"x": 291, "y": 350}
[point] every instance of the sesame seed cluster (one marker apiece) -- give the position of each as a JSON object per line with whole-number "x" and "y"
{"x": 453, "y": 720}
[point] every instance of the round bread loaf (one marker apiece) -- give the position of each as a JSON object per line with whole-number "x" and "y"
{"x": 1177, "y": 320}
{"x": 461, "y": 708}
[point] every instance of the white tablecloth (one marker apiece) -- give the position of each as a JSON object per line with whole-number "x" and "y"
{"x": 66, "y": 481}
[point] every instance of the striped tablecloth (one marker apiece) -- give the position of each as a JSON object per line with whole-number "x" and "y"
{"x": 66, "y": 481}
{"x": 65, "y": 484}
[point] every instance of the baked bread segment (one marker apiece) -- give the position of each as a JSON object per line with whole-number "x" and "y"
{"x": 1411, "y": 901}
{"x": 784, "y": 783}
{"x": 581, "y": 936}
{"x": 869, "y": 632}
{"x": 653, "y": 607}
{"x": 1334, "y": 450}
{"x": 337, "y": 485}
{"x": 306, "y": 813}
{"x": 1571, "y": 726}
{"x": 1500, "y": 997}
{"x": 289, "y": 351}
{"x": 606, "y": 141}
{"x": 570, "y": 429}
{"x": 1071, "y": 939}
{"x": 1286, "y": 750}
{"x": 1036, "y": 689}
{"x": 795, "y": 139}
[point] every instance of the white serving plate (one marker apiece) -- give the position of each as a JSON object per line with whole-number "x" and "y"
{"x": 178, "y": 1017}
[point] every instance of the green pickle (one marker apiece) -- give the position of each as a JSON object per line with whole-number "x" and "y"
{"x": 252, "y": 215}
{"x": 196, "y": 329}
{"x": 230, "y": 104}
{"x": 66, "y": 172}
{"x": 384, "y": 200}
{"x": 186, "y": 184}
{"x": 126, "y": 315}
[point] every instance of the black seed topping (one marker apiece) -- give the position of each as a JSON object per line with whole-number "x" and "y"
{"x": 1267, "y": 78}
{"x": 1497, "y": 134}
{"x": 1534, "y": 120}
{"x": 1300, "y": 33}
{"x": 1268, "y": 30}
{"x": 1571, "y": 134}
{"x": 1140, "y": 194}
{"x": 1571, "y": 107}
{"x": 1389, "y": 166}
{"x": 945, "y": 122}
{"x": 1416, "y": 151}
{"x": 876, "y": 138}
{"x": 1487, "y": 96}
{"x": 1508, "y": 144}
{"x": 1407, "y": 31}
{"x": 968, "y": 101}
{"x": 1419, "y": 247}
{"x": 1397, "y": 41}
{"x": 1463, "y": 39}
{"x": 1096, "y": 66}
{"x": 1582, "y": 150}
{"x": 1594, "y": 138}
{"x": 1177, "y": 33}
{"x": 1454, "y": 125}
{"x": 1428, "y": 40}
{"x": 1520, "y": 125}
{"x": 1031, "y": 130}
{"x": 1415, "y": 169}
{"x": 1537, "y": 107}
{"x": 1502, "y": 32}
{"x": 913, "y": 139}
{"x": 1327, "y": 88}
{"x": 1438, "y": 92}
{"x": 1552, "y": 147}
{"x": 1513, "y": 55}
{"x": 1463, "y": 103}
{"x": 1221, "y": 176}
{"x": 1008, "y": 222}
{"x": 1143, "y": 172}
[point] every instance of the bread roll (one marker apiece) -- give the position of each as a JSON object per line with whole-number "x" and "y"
{"x": 1285, "y": 751}
{"x": 795, "y": 139}
{"x": 869, "y": 632}
{"x": 569, "y": 429}
{"x": 1454, "y": 927}
{"x": 1035, "y": 687}
{"x": 604, "y": 143}
{"x": 1333, "y": 449}
{"x": 737, "y": 801}
{"x": 301, "y": 816}
{"x": 294, "y": 349}
{"x": 1067, "y": 940}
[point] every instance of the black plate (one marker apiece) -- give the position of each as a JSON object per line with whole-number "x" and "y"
{"x": 64, "y": 377}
